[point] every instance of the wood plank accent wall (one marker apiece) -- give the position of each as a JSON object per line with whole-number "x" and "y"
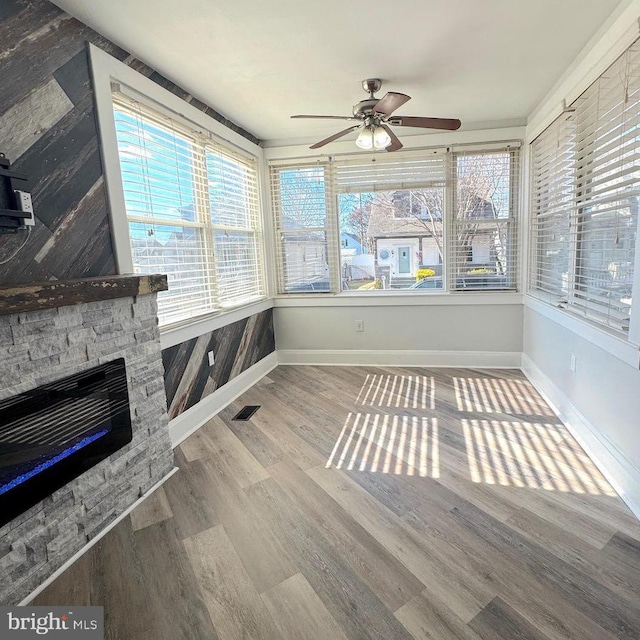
{"x": 48, "y": 130}
{"x": 189, "y": 378}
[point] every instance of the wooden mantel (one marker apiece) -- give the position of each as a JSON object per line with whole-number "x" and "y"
{"x": 61, "y": 293}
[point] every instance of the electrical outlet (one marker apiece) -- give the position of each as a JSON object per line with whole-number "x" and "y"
{"x": 211, "y": 358}
{"x": 23, "y": 199}
{"x": 572, "y": 364}
{"x": 359, "y": 326}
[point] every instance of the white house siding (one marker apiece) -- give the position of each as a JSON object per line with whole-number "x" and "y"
{"x": 481, "y": 250}
{"x": 430, "y": 253}
{"x": 305, "y": 262}
{"x": 392, "y": 245}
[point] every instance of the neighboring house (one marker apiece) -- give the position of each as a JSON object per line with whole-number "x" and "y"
{"x": 357, "y": 263}
{"x": 304, "y": 259}
{"x": 403, "y": 241}
{"x": 406, "y": 237}
{"x": 350, "y": 244}
{"x": 403, "y": 246}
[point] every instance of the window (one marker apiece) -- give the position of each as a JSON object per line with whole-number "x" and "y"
{"x": 396, "y": 239}
{"x": 302, "y": 204}
{"x": 584, "y": 199}
{"x": 483, "y": 242}
{"x": 192, "y": 208}
{"x": 396, "y": 215}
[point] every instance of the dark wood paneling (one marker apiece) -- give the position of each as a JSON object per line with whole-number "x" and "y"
{"x": 82, "y": 241}
{"x": 236, "y": 347}
{"x": 45, "y": 58}
{"x": 163, "y": 82}
{"x": 74, "y": 77}
{"x": 42, "y": 50}
{"x": 227, "y": 350}
{"x": 63, "y": 165}
{"x": 174, "y": 359}
{"x": 9, "y": 8}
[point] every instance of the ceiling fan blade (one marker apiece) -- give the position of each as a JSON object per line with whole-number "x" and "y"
{"x": 328, "y": 117}
{"x": 448, "y": 124}
{"x": 335, "y": 136}
{"x": 395, "y": 142}
{"x": 389, "y": 103}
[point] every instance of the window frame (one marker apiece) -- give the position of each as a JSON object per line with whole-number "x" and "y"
{"x": 107, "y": 70}
{"x": 514, "y": 221}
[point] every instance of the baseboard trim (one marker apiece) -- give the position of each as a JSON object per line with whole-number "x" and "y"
{"x": 402, "y": 358}
{"x": 58, "y": 572}
{"x": 614, "y": 466}
{"x": 188, "y": 422}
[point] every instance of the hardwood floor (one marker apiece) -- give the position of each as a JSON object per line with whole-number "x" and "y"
{"x": 378, "y": 503}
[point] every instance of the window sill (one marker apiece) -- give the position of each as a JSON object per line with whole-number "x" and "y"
{"x": 614, "y": 344}
{"x": 189, "y": 329}
{"x": 396, "y": 299}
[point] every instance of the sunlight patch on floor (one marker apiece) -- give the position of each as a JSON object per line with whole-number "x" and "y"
{"x": 398, "y": 392}
{"x": 388, "y": 443}
{"x": 498, "y": 395}
{"x": 523, "y": 454}
{"x": 532, "y": 453}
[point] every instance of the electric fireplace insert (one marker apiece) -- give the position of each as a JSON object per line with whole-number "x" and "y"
{"x": 53, "y": 434}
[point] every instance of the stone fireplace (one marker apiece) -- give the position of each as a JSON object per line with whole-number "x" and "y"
{"x": 49, "y": 332}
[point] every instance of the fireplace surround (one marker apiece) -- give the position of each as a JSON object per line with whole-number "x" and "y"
{"x": 49, "y": 332}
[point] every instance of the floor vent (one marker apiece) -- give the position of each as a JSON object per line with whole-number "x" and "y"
{"x": 246, "y": 412}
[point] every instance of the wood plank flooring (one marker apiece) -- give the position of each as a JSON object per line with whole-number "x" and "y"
{"x": 373, "y": 503}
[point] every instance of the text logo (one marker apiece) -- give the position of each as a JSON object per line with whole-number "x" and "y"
{"x": 75, "y": 623}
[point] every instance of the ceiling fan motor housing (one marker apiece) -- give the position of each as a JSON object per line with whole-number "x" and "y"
{"x": 364, "y": 107}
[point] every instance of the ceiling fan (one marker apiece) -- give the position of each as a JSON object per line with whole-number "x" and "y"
{"x": 374, "y": 117}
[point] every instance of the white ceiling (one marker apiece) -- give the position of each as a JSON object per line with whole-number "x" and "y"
{"x": 486, "y": 62}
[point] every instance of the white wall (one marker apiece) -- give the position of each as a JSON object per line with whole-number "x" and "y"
{"x": 603, "y": 388}
{"x": 477, "y": 335}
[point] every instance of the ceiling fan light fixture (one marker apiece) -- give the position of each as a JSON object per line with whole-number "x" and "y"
{"x": 365, "y": 139}
{"x": 374, "y": 116}
{"x": 381, "y": 139}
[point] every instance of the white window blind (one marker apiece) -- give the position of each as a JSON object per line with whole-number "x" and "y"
{"x": 482, "y": 237}
{"x": 235, "y": 222}
{"x": 607, "y": 186}
{"x": 306, "y": 250}
{"x": 394, "y": 171}
{"x": 192, "y": 207}
{"x": 596, "y": 177}
{"x": 551, "y": 205}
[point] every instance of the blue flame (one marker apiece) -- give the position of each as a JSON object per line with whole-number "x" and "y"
{"x": 51, "y": 461}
